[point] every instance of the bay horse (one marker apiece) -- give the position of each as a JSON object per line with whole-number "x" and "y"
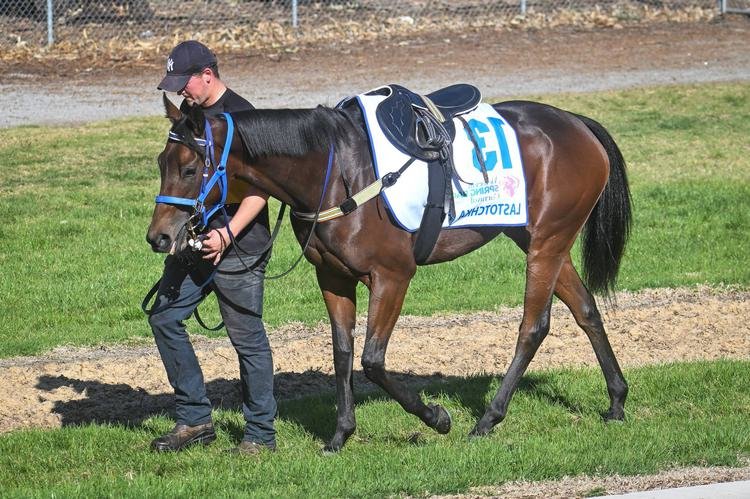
{"x": 576, "y": 181}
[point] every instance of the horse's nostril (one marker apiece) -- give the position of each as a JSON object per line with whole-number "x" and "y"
{"x": 160, "y": 243}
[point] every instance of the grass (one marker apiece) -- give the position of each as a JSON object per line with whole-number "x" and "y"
{"x": 679, "y": 415}
{"x": 77, "y": 200}
{"x": 76, "y": 203}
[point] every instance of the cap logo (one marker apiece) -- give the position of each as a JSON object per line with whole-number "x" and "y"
{"x": 170, "y": 64}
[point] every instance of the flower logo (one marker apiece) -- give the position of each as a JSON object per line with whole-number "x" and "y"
{"x": 510, "y": 184}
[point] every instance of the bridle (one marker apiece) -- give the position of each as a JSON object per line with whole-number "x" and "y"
{"x": 201, "y": 215}
{"x": 198, "y": 220}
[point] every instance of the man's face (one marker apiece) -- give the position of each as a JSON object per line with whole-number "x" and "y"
{"x": 197, "y": 90}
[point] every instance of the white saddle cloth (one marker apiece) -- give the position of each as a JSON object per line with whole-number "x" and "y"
{"x": 501, "y": 201}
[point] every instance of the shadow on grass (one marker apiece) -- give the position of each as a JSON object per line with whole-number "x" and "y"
{"x": 307, "y": 399}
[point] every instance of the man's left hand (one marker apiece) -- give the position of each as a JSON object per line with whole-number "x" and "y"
{"x": 214, "y": 244}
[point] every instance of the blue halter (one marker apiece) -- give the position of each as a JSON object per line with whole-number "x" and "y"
{"x": 219, "y": 176}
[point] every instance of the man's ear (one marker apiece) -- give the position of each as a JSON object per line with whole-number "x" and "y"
{"x": 173, "y": 113}
{"x": 196, "y": 120}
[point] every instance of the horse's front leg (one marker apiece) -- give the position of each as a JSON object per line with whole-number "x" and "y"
{"x": 387, "y": 292}
{"x": 340, "y": 297}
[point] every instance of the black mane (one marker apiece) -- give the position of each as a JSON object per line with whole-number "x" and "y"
{"x": 290, "y": 132}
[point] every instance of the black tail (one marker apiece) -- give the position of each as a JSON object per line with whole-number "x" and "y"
{"x": 608, "y": 227}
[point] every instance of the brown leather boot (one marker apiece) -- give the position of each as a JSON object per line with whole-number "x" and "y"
{"x": 183, "y": 436}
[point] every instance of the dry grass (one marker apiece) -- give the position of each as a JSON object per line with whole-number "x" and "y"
{"x": 98, "y": 47}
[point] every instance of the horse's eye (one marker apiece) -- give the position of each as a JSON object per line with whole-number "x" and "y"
{"x": 188, "y": 172}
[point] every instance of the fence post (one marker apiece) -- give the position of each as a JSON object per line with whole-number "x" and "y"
{"x": 523, "y": 7}
{"x": 294, "y": 14}
{"x": 50, "y": 28}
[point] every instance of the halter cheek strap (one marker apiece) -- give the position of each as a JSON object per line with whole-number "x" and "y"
{"x": 219, "y": 177}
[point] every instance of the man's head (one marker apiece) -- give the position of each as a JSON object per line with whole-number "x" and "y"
{"x": 192, "y": 71}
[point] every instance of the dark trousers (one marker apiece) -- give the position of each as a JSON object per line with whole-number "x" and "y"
{"x": 240, "y": 294}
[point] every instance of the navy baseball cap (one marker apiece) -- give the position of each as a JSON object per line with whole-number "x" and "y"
{"x": 186, "y": 59}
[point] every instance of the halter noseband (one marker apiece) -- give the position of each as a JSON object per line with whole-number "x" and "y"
{"x": 219, "y": 176}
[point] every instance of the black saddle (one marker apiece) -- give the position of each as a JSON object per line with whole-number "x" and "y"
{"x": 420, "y": 125}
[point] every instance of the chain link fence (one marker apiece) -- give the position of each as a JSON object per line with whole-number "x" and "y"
{"x": 77, "y": 27}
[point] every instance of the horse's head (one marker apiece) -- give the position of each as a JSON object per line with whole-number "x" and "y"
{"x": 181, "y": 165}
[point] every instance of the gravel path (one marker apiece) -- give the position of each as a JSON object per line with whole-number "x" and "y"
{"x": 502, "y": 64}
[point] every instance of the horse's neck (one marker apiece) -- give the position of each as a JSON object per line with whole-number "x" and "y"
{"x": 292, "y": 175}
{"x": 294, "y": 181}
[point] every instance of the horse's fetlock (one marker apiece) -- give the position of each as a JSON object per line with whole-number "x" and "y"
{"x": 373, "y": 370}
{"x": 620, "y": 391}
{"x": 346, "y": 428}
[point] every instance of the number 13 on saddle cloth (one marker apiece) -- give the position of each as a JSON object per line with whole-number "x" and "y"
{"x": 499, "y": 201}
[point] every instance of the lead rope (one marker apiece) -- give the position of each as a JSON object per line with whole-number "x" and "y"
{"x": 278, "y": 223}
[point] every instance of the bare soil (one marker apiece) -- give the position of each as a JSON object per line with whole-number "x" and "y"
{"x": 117, "y": 384}
{"x": 70, "y": 386}
{"x": 127, "y": 384}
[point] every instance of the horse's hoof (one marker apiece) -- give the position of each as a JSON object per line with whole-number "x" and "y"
{"x": 480, "y": 430}
{"x": 330, "y": 449}
{"x": 614, "y": 416}
{"x": 443, "y": 421}
{"x": 334, "y": 446}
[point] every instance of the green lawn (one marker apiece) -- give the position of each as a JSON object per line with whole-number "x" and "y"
{"x": 77, "y": 202}
{"x": 678, "y": 415}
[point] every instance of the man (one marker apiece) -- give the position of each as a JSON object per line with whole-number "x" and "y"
{"x": 192, "y": 72}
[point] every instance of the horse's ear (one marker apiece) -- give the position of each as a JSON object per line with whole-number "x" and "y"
{"x": 173, "y": 112}
{"x": 196, "y": 120}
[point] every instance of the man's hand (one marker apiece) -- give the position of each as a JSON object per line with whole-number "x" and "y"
{"x": 217, "y": 240}
{"x": 214, "y": 244}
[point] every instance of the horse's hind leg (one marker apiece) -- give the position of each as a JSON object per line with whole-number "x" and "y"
{"x": 541, "y": 273}
{"x": 340, "y": 298}
{"x": 574, "y": 294}
{"x": 386, "y": 298}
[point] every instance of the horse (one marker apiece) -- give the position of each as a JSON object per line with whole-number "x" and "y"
{"x": 310, "y": 158}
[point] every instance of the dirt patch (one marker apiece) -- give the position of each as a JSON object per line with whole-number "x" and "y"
{"x": 126, "y": 385}
{"x": 70, "y": 386}
{"x": 575, "y": 487}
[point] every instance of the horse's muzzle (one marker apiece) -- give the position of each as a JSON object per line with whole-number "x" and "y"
{"x": 160, "y": 243}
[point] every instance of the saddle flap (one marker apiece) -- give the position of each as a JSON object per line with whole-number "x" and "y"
{"x": 398, "y": 121}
